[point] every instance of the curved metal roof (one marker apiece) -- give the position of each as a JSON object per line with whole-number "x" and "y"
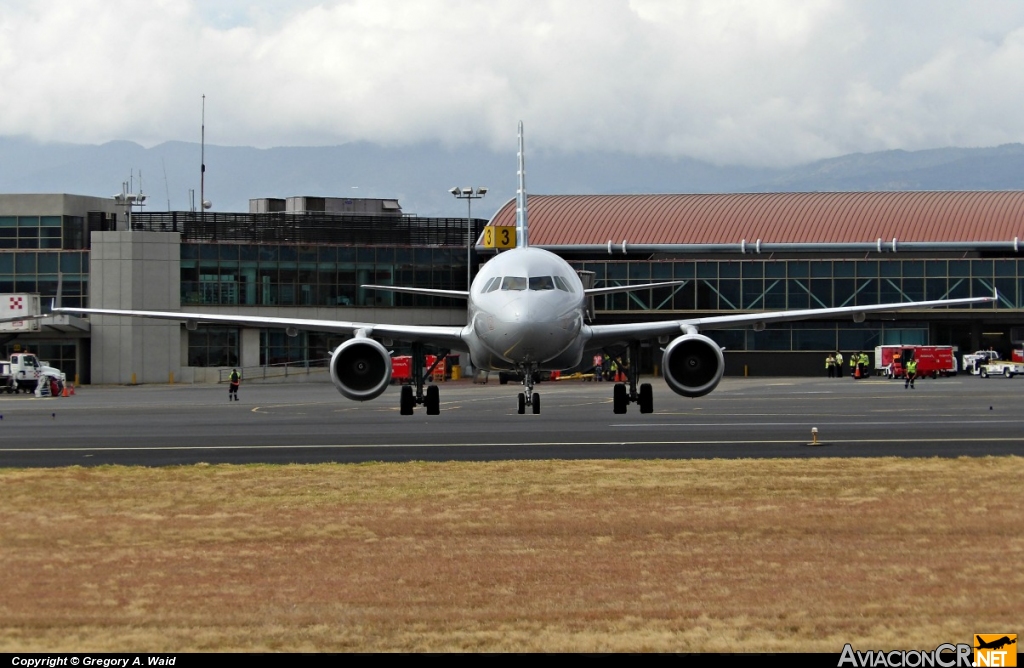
{"x": 834, "y": 218}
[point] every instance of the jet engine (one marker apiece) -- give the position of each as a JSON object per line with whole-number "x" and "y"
{"x": 361, "y": 369}
{"x": 693, "y": 365}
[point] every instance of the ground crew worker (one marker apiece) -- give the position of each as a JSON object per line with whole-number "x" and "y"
{"x": 598, "y": 362}
{"x": 233, "y": 380}
{"x": 865, "y": 365}
{"x": 839, "y": 365}
{"x": 911, "y": 373}
{"x": 830, "y": 366}
{"x": 614, "y": 368}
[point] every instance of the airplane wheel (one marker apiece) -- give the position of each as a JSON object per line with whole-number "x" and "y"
{"x": 646, "y": 398}
{"x": 406, "y": 401}
{"x": 619, "y": 399}
{"x": 522, "y": 403}
{"x": 433, "y": 400}
{"x": 536, "y": 404}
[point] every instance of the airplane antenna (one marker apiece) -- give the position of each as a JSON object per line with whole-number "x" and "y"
{"x": 522, "y": 225}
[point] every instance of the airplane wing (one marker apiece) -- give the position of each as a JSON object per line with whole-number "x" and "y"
{"x": 448, "y": 337}
{"x": 601, "y": 335}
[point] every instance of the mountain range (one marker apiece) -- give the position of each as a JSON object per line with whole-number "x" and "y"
{"x": 420, "y": 176}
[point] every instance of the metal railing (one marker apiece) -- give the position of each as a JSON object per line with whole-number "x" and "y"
{"x": 274, "y": 371}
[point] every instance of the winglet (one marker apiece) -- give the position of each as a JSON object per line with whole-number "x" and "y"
{"x": 522, "y": 224}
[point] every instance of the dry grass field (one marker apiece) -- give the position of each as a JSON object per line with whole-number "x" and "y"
{"x": 591, "y": 556}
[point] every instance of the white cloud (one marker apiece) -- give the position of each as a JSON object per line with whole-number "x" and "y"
{"x": 756, "y": 82}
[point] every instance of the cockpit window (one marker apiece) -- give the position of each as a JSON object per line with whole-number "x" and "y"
{"x": 492, "y": 284}
{"x": 541, "y": 283}
{"x": 561, "y": 284}
{"x": 514, "y": 283}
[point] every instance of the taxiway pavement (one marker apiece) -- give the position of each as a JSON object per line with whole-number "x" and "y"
{"x": 156, "y": 425}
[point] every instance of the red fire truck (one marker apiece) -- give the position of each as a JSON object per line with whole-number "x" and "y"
{"x": 932, "y": 361}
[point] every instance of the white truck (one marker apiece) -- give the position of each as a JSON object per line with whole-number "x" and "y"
{"x": 973, "y": 362}
{"x": 25, "y": 373}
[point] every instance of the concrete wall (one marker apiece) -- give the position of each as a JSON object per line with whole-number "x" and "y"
{"x": 135, "y": 270}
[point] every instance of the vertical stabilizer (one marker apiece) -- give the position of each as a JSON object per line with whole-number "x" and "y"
{"x": 522, "y": 224}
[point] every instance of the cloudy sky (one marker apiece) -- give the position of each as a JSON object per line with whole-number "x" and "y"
{"x": 758, "y": 82}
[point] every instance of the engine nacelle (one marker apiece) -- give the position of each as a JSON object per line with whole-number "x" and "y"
{"x": 361, "y": 369}
{"x": 693, "y": 365}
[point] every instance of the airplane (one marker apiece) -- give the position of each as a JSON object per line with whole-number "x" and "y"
{"x": 998, "y": 643}
{"x": 526, "y": 312}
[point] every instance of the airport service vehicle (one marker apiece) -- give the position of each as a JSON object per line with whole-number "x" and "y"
{"x": 1005, "y": 368}
{"x": 24, "y": 372}
{"x": 19, "y": 312}
{"x": 528, "y": 313}
{"x": 932, "y": 361}
{"x": 974, "y": 361}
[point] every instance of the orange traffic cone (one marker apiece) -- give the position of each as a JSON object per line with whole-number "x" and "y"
{"x": 65, "y": 392}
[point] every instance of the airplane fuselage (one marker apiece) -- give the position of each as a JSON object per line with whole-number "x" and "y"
{"x": 526, "y": 310}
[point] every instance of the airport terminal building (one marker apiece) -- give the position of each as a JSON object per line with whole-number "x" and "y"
{"x": 307, "y": 257}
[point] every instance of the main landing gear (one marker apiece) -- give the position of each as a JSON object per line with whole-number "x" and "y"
{"x": 623, "y": 396}
{"x": 432, "y": 399}
{"x": 528, "y": 397}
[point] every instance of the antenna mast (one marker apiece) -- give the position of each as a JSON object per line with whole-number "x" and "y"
{"x": 202, "y": 161}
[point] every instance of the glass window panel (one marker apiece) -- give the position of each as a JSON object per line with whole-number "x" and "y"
{"x": 844, "y": 269}
{"x": 855, "y": 337}
{"x": 775, "y": 294}
{"x": 798, "y": 295}
{"x": 729, "y": 295}
{"x": 639, "y": 271}
{"x": 731, "y": 339}
{"x": 28, "y": 221}
{"x": 729, "y": 269}
{"x": 616, "y": 272}
{"x": 770, "y": 339}
{"x": 229, "y": 252}
{"x": 981, "y": 268}
{"x": 889, "y": 291}
{"x": 935, "y": 269}
{"x": 70, "y": 263}
{"x": 25, "y": 263}
{"x": 821, "y": 291}
{"x": 366, "y": 254}
{"x": 843, "y": 289}
{"x": 8, "y": 221}
{"x": 1007, "y": 288}
{"x": 1005, "y": 267}
{"x": 684, "y": 269}
{"x": 685, "y": 297}
{"x": 867, "y": 292}
{"x": 208, "y": 252}
{"x": 867, "y": 269}
{"x": 707, "y": 269}
{"x": 890, "y": 269}
{"x": 49, "y": 221}
{"x": 753, "y": 293}
{"x": 248, "y": 252}
{"x": 959, "y": 268}
{"x": 47, "y": 263}
{"x": 753, "y": 269}
{"x": 661, "y": 271}
{"x": 913, "y": 268}
{"x": 935, "y": 288}
{"x": 814, "y": 339}
{"x": 913, "y": 289}
{"x": 821, "y": 269}
{"x": 774, "y": 269}
{"x": 798, "y": 269}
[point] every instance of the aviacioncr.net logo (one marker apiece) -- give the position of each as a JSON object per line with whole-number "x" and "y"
{"x": 946, "y": 655}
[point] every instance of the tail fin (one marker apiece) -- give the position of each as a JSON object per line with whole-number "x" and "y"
{"x": 522, "y": 224}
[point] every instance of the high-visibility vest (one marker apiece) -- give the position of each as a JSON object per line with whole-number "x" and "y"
{"x": 912, "y": 366}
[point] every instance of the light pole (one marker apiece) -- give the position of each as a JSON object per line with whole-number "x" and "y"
{"x": 469, "y": 194}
